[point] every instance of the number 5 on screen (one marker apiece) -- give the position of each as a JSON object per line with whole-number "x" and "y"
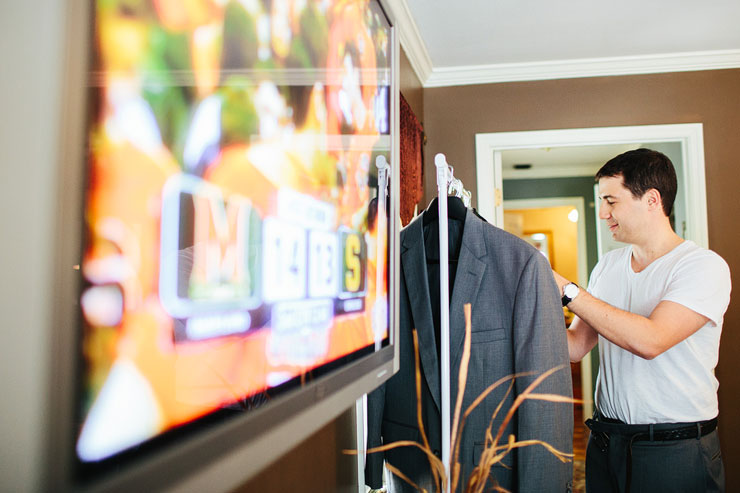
{"x": 354, "y": 256}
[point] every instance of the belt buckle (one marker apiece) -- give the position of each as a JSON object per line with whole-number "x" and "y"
{"x": 601, "y": 438}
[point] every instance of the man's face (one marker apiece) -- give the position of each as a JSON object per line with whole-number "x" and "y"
{"x": 624, "y": 214}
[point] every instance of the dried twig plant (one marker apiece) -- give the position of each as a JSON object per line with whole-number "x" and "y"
{"x": 493, "y": 451}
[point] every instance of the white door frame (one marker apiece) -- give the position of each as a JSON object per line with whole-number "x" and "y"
{"x": 488, "y": 147}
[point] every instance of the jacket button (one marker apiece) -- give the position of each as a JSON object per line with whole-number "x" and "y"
{"x": 437, "y": 453}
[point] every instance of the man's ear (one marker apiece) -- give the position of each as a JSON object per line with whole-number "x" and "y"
{"x": 654, "y": 200}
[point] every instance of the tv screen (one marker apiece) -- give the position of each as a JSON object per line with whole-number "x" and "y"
{"x": 237, "y": 234}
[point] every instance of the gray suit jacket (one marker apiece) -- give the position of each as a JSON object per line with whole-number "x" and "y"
{"x": 517, "y": 326}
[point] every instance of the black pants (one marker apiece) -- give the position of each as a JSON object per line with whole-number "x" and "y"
{"x": 615, "y": 462}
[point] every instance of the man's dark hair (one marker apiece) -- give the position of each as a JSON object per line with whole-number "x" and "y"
{"x": 641, "y": 170}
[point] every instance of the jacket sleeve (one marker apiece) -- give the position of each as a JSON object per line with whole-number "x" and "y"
{"x": 540, "y": 344}
{"x": 374, "y": 462}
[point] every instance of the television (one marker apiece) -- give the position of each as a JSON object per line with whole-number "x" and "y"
{"x": 229, "y": 241}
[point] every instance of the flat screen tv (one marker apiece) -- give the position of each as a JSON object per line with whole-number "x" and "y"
{"x": 236, "y": 263}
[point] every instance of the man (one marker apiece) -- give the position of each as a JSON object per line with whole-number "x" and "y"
{"x": 656, "y": 309}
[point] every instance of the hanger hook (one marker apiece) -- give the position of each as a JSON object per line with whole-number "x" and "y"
{"x": 466, "y": 197}
{"x": 454, "y": 187}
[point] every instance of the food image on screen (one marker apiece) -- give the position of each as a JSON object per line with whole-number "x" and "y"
{"x": 236, "y": 227}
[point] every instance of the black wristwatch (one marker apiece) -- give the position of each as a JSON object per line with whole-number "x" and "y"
{"x": 570, "y": 291}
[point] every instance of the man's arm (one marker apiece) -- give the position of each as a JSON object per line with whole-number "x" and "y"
{"x": 647, "y": 337}
{"x": 581, "y": 339}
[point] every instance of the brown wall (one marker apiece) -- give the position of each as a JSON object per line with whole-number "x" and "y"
{"x": 411, "y": 87}
{"x": 453, "y": 115}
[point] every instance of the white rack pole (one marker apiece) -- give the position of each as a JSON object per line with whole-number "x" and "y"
{"x": 379, "y": 318}
{"x": 444, "y": 310}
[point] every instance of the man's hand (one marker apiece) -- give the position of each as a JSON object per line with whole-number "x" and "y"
{"x": 581, "y": 337}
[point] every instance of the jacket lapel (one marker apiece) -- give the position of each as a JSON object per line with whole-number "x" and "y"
{"x": 470, "y": 271}
{"x": 413, "y": 260}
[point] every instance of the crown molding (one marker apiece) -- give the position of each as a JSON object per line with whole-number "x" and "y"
{"x": 410, "y": 39}
{"x": 587, "y": 67}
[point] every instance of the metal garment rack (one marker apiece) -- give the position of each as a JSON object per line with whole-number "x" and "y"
{"x": 447, "y": 185}
{"x": 382, "y": 223}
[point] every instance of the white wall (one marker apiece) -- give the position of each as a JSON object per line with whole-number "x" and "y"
{"x": 31, "y": 55}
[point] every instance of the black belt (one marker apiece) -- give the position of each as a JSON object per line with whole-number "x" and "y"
{"x": 656, "y": 432}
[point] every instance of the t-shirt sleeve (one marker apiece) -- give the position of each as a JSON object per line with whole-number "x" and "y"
{"x": 592, "y": 280}
{"x": 701, "y": 283}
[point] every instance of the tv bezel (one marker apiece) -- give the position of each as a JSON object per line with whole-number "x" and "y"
{"x": 225, "y": 455}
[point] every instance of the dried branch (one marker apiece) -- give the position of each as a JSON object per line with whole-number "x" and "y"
{"x": 521, "y": 398}
{"x": 554, "y": 398}
{"x": 489, "y": 457}
{"x": 479, "y": 399}
{"x": 489, "y": 447}
{"x": 433, "y": 459}
{"x": 492, "y": 387}
{"x": 489, "y": 436}
{"x": 559, "y": 454}
{"x": 389, "y": 446}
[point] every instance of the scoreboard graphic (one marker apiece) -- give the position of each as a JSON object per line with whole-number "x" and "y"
{"x": 221, "y": 261}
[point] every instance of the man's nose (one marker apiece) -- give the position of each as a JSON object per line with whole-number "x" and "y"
{"x": 604, "y": 212}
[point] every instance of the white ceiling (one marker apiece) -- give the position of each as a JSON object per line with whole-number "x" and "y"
{"x": 549, "y": 162}
{"x": 479, "y": 41}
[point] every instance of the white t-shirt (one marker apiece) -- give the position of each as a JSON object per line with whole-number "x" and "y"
{"x": 678, "y": 385}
